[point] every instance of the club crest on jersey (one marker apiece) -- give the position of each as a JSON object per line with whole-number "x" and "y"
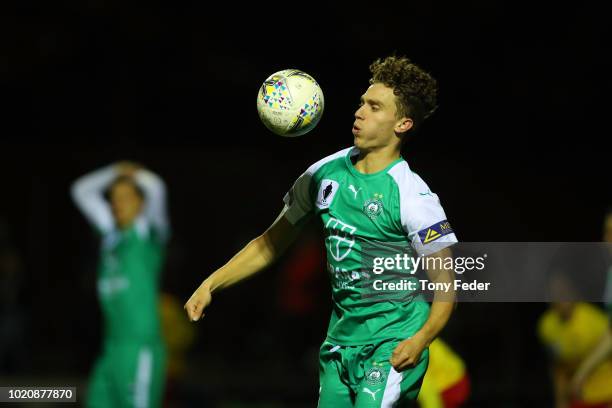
{"x": 375, "y": 376}
{"x": 435, "y": 232}
{"x": 374, "y": 206}
{"x": 327, "y": 192}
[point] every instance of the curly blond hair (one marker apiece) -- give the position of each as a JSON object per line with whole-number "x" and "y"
{"x": 415, "y": 90}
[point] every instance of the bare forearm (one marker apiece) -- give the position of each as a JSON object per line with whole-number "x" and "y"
{"x": 443, "y": 302}
{"x": 439, "y": 314}
{"x": 254, "y": 257}
{"x": 408, "y": 352}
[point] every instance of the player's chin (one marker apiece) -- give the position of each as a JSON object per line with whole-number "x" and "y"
{"x": 357, "y": 140}
{"x": 361, "y": 144}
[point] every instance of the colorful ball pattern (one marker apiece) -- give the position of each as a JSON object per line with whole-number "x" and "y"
{"x": 290, "y": 103}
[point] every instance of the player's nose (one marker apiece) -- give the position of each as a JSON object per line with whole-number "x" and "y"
{"x": 359, "y": 113}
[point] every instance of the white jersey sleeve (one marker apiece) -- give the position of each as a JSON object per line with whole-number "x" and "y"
{"x": 155, "y": 211}
{"x": 298, "y": 200}
{"x": 88, "y": 195}
{"x": 422, "y": 216}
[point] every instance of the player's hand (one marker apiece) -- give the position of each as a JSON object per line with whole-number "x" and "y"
{"x": 407, "y": 354}
{"x": 196, "y": 304}
{"x": 128, "y": 168}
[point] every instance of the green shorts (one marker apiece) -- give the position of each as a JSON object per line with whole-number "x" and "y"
{"x": 128, "y": 375}
{"x": 362, "y": 377}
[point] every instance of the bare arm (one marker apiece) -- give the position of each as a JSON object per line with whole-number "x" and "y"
{"x": 443, "y": 301}
{"x": 408, "y": 352}
{"x": 254, "y": 257}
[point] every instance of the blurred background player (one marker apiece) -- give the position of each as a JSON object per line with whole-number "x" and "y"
{"x": 603, "y": 351}
{"x": 126, "y": 204}
{"x": 375, "y": 353}
{"x": 446, "y": 383}
{"x": 571, "y": 331}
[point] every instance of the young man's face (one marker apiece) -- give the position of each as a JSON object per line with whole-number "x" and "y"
{"x": 126, "y": 203}
{"x": 376, "y": 122}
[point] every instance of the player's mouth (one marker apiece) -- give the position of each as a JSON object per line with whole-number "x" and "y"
{"x": 356, "y": 129}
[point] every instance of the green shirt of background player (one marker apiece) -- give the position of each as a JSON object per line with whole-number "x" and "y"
{"x": 125, "y": 203}
{"x": 400, "y": 96}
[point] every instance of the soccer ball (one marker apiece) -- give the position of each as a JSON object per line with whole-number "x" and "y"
{"x": 290, "y": 103}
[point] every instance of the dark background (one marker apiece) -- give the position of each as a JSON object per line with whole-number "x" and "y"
{"x": 517, "y": 152}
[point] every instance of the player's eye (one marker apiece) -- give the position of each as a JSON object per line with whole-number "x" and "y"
{"x": 375, "y": 107}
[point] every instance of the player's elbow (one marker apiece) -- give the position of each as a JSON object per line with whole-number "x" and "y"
{"x": 273, "y": 246}
{"x": 443, "y": 253}
{"x": 77, "y": 191}
{"x": 268, "y": 248}
{"x": 152, "y": 183}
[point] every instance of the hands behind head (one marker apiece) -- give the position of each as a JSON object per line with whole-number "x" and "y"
{"x": 128, "y": 168}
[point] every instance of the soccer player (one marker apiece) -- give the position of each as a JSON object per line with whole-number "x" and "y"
{"x": 125, "y": 203}
{"x": 571, "y": 331}
{"x": 447, "y": 382}
{"x": 603, "y": 351}
{"x": 375, "y": 353}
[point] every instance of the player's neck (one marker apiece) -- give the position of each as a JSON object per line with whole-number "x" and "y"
{"x": 375, "y": 160}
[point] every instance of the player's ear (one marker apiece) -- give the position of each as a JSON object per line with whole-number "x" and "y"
{"x": 403, "y": 125}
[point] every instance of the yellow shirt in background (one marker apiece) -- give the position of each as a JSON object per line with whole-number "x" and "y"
{"x": 445, "y": 369}
{"x": 571, "y": 341}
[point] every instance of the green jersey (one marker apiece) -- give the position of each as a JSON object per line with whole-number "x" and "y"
{"x": 361, "y": 212}
{"x": 130, "y": 259}
{"x": 128, "y": 283}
